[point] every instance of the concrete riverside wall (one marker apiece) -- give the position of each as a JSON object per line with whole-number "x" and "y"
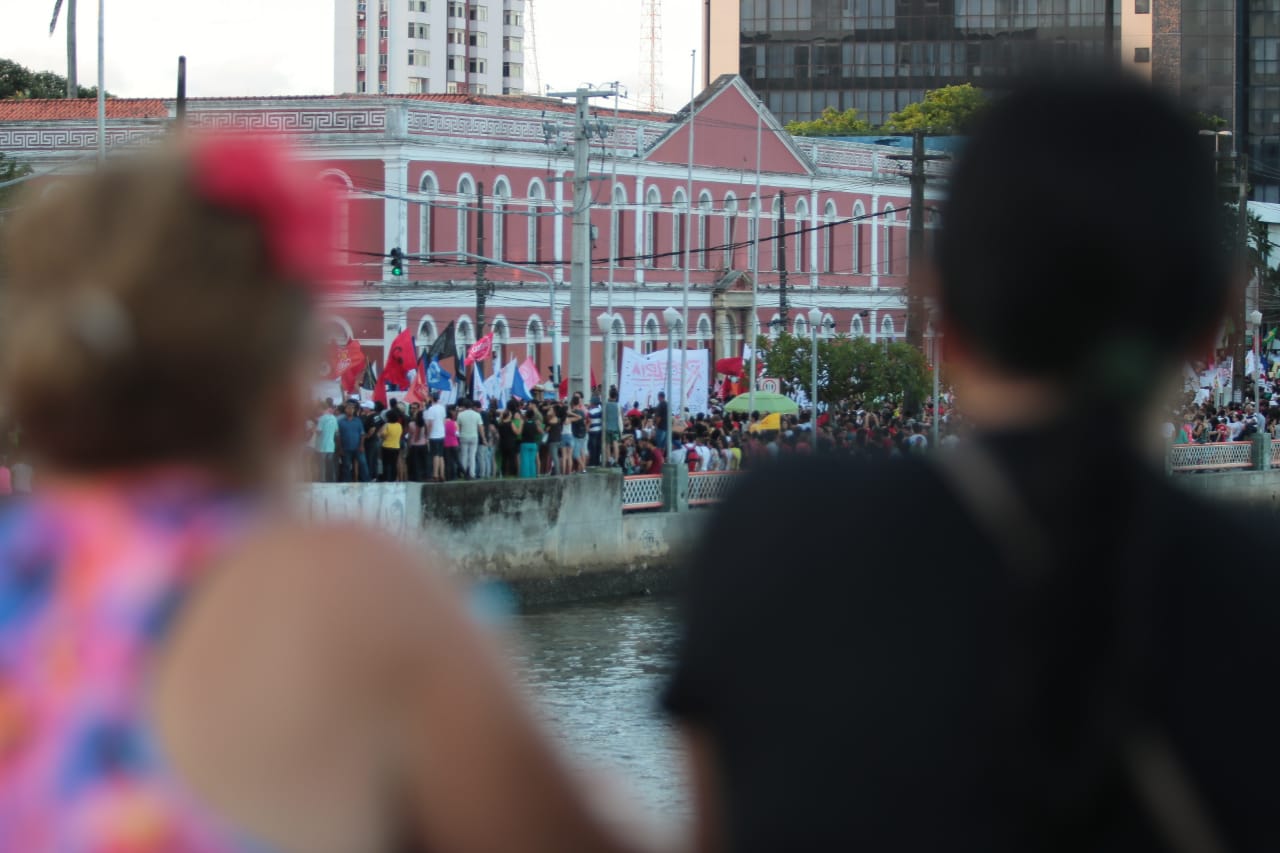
{"x": 552, "y": 540}
{"x": 1258, "y": 488}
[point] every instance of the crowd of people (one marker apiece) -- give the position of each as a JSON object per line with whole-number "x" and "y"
{"x": 364, "y": 441}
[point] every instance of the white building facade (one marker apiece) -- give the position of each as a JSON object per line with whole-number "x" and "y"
{"x": 402, "y": 47}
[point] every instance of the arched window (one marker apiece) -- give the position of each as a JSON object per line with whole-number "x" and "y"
{"x": 702, "y": 332}
{"x": 859, "y": 237}
{"x": 775, "y": 326}
{"x": 466, "y": 198}
{"x": 753, "y": 232}
{"x": 533, "y": 337}
{"x": 342, "y": 214}
{"x": 501, "y": 337}
{"x": 802, "y": 234}
{"x": 618, "y": 225}
{"x": 730, "y": 224}
{"x": 886, "y": 327}
{"x": 679, "y": 227}
{"x": 534, "y": 237}
{"x": 428, "y": 189}
{"x": 426, "y": 332}
{"x": 886, "y": 240}
{"x": 501, "y": 201}
{"x": 464, "y": 335}
{"x": 704, "y": 230}
{"x": 652, "y": 203}
{"x": 855, "y": 328}
{"x": 826, "y": 260}
{"x": 828, "y": 326}
{"x": 801, "y": 328}
{"x": 652, "y": 334}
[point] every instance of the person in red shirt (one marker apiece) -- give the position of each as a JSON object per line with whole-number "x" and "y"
{"x": 654, "y": 454}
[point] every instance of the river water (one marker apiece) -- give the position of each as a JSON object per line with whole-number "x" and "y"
{"x": 596, "y": 671}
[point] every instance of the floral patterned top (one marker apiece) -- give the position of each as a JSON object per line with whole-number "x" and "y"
{"x": 90, "y": 579}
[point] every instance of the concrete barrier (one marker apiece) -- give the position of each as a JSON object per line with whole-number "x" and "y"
{"x": 552, "y": 539}
{"x": 1257, "y": 488}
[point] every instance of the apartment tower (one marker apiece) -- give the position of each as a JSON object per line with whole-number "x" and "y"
{"x": 397, "y": 47}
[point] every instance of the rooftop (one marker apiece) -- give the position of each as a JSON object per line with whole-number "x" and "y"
{"x": 81, "y": 109}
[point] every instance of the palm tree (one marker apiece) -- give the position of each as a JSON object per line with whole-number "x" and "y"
{"x": 73, "y": 90}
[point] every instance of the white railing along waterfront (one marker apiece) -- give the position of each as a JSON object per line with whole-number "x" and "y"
{"x": 705, "y": 487}
{"x": 641, "y": 492}
{"x": 708, "y": 487}
{"x": 1219, "y": 456}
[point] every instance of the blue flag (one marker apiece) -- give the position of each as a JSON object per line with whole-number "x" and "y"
{"x": 438, "y": 379}
{"x": 518, "y": 389}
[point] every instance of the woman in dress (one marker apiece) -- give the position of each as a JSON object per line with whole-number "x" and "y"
{"x": 184, "y": 666}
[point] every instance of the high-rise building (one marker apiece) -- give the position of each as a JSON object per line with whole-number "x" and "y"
{"x": 877, "y": 56}
{"x": 399, "y": 47}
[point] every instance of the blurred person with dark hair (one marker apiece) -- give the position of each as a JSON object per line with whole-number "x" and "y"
{"x": 1046, "y": 653}
{"x": 184, "y": 667}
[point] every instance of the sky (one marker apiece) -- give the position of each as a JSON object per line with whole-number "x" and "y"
{"x": 271, "y": 47}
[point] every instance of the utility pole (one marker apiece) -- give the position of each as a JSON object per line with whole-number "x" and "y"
{"x": 73, "y": 84}
{"x": 915, "y": 249}
{"x": 1240, "y": 187}
{"x": 182, "y": 89}
{"x": 782, "y": 259}
{"x": 580, "y": 289}
{"x": 482, "y": 286}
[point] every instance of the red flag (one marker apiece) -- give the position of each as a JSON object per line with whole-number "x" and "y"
{"x": 349, "y": 366}
{"x": 402, "y": 358}
{"x": 418, "y": 391}
{"x": 480, "y": 350}
{"x": 564, "y": 385}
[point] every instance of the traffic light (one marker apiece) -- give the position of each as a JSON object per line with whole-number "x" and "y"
{"x": 397, "y": 262}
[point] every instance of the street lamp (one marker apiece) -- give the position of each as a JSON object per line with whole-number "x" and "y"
{"x": 606, "y": 321}
{"x": 1217, "y": 137}
{"x": 1255, "y": 320}
{"x": 815, "y": 322}
{"x": 673, "y": 321}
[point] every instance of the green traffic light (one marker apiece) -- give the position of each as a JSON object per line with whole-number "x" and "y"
{"x": 397, "y": 271}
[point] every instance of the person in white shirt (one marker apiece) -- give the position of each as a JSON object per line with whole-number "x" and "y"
{"x": 470, "y": 422}
{"x": 435, "y": 418}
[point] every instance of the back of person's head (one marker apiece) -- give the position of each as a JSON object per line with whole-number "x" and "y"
{"x": 1081, "y": 239}
{"x": 184, "y": 267}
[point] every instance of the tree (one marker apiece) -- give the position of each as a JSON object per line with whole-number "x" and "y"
{"x": 10, "y": 170}
{"x": 951, "y": 109}
{"x": 832, "y": 123}
{"x": 18, "y": 82}
{"x": 848, "y": 368}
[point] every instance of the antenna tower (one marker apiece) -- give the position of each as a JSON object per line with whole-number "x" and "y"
{"x": 531, "y": 46}
{"x": 651, "y": 54}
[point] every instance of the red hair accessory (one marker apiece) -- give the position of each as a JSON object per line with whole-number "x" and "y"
{"x": 256, "y": 176}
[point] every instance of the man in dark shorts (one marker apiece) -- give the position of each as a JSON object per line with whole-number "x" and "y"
{"x": 1030, "y": 642}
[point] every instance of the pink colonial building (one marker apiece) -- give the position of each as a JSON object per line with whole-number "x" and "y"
{"x": 429, "y": 173}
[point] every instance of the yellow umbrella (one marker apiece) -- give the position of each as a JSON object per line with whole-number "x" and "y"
{"x": 768, "y": 422}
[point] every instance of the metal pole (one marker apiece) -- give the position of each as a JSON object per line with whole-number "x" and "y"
{"x": 613, "y": 211}
{"x": 182, "y": 89}
{"x": 752, "y": 327}
{"x": 670, "y": 343}
{"x": 937, "y": 369}
{"x": 480, "y": 265}
{"x": 73, "y": 83}
{"x": 102, "y": 91}
{"x": 688, "y": 236}
{"x": 813, "y": 402}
